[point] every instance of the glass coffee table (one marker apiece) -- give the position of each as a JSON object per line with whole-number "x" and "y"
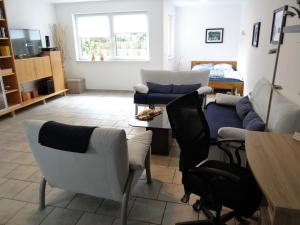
{"x": 162, "y": 132}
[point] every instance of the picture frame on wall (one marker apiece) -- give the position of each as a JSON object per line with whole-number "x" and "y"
{"x": 255, "y": 35}
{"x": 279, "y": 20}
{"x": 214, "y": 35}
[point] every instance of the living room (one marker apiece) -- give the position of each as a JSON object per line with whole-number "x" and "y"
{"x": 117, "y": 66}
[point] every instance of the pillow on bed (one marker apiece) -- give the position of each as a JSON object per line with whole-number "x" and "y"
{"x": 185, "y": 88}
{"x": 224, "y": 66}
{"x": 159, "y": 88}
{"x": 203, "y": 67}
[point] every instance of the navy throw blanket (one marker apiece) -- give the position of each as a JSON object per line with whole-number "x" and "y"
{"x": 65, "y": 137}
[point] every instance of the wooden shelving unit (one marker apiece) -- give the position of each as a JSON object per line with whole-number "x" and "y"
{"x": 22, "y": 71}
{"x": 10, "y": 81}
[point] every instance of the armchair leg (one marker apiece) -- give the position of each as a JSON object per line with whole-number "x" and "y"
{"x": 125, "y": 199}
{"x": 136, "y": 109}
{"x": 148, "y": 167}
{"x": 42, "y": 193}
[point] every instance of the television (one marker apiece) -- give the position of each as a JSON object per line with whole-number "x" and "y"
{"x": 26, "y": 42}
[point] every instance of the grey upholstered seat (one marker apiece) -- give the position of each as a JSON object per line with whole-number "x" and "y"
{"x": 107, "y": 170}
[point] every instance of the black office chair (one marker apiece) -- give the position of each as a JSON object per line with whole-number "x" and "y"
{"x": 218, "y": 183}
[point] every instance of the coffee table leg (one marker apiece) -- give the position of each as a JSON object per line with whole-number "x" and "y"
{"x": 160, "y": 141}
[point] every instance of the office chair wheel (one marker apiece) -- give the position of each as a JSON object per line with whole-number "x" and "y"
{"x": 197, "y": 205}
{"x": 185, "y": 198}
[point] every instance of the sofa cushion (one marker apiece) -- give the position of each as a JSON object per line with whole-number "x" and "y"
{"x": 140, "y": 98}
{"x": 253, "y": 122}
{"x": 159, "y": 98}
{"x": 141, "y": 88}
{"x": 159, "y": 88}
{"x": 243, "y": 107}
{"x": 225, "y": 99}
{"x": 185, "y": 88}
{"x": 219, "y": 116}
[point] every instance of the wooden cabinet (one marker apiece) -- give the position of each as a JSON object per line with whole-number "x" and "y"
{"x": 33, "y": 68}
{"x": 57, "y": 70}
{"x": 42, "y": 67}
{"x": 25, "y": 70}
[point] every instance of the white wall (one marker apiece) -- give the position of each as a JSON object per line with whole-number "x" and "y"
{"x": 255, "y": 63}
{"x": 112, "y": 75}
{"x": 31, "y": 14}
{"x": 191, "y": 25}
{"x": 168, "y": 10}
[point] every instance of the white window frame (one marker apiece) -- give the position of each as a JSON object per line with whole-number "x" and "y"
{"x": 110, "y": 16}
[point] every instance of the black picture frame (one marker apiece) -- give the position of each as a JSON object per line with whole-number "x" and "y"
{"x": 214, "y": 35}
{"x": 255, "y": 35}
{"x": 279, "y": 18}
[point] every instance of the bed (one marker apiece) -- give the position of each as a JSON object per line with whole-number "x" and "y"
{"x": 228, "y": 82}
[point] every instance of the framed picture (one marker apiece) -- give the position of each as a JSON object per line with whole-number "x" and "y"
{"x": 255, "y": 35}
{"x": 279, "y": 19}
{"x": 214, "y": 35}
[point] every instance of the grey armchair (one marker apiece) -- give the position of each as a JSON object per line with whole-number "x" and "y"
{"x": 109, "y": 168}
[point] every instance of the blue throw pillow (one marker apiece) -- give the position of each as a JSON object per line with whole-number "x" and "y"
{"x": 253, "y": 122}
{"x": 186, "y": 88}
{"x": 243, "y": 107}
{"x": 159, "y": 88}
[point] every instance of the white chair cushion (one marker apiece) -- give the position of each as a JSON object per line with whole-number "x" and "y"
{"x": 138, "y": 147}
{"x": 225, "y": 99}
{"x": 232, "y": 132}
{"x": 141, "y": 88}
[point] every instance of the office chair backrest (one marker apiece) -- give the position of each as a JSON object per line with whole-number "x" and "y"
{"x": 191, "y": 129}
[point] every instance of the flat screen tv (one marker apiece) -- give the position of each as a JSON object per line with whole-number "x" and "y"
{"x": 26, "y": 42}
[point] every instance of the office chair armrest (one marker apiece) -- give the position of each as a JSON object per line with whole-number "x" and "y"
{"x": 237, "y": 150}
{"x": 214, "y": 172}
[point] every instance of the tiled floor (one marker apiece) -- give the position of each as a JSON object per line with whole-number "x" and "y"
{"x": 157, "y": 203}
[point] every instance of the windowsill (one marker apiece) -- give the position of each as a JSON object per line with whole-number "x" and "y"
{"x": 113, "y": 60}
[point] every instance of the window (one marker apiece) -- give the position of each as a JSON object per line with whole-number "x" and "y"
{"x": 113, "y": 36}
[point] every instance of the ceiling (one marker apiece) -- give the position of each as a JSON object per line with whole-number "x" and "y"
{"x": 178, "y": 3}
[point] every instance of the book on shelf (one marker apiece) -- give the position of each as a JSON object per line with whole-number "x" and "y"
{"x": 4, "y": 51}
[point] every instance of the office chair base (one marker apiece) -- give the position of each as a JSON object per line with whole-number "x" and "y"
{"x": 185, "y": 198}
{"x": 199, "y": 222}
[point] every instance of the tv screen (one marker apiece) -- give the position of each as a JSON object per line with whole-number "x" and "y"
{"x": 26, "y": 42}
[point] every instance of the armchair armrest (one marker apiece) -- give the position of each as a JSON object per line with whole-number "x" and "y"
{"x": 214, "y": 172}
{"x": 204, "y": 90}
{"x": 232, "y": 132}
{"x": 225, "y": 99}
{"x": 138, "y": 148}
{"x": 141, "y": 88}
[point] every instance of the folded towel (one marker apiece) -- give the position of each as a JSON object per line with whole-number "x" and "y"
{"x": 65, "y": 137}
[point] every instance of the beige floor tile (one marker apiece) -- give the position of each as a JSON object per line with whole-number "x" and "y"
{"x": 171, "y": 192}
{"x": 31, "y": 193}
{"x": 35, "y": 177}
{"x": 129, "y": 222}
{"x": 94, "y": 219}
{"x": 85, "y": 203}
{"x": 24, "y": 159}
{"x": 112, "y": 208}
{"x": 147, "y": 210}
{"x": 8, "y": 156}
{"x": 29, "y": 215}
{"x": 162, "y": 173}
{"x": 11, "y": 188}
{"x": 58, "y": 197}
{"x": 159, "y": 160}
{"x": 8, "y": 209}
{"x": 2, "y": 180}
{"x": 22, "y": 172}
{"x": 174, "y": 162}
{"x": 178, "y": 213}
{"x": 6, "y": 168}
{"x": 144, "y": 190}
{"x": 177, "y": 177}
{"x": 61, "y": 216}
